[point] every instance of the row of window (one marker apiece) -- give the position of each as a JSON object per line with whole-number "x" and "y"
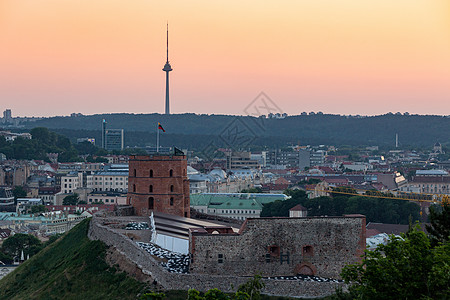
{"x": 235, "y": 211}
{"x": 106, "y": 200}
{"x": 151, "y": 173}
{"x": 106, "y": 183}
{"x": 111, "y": 190}
{"x": 111, "y": 178}
{"x": 150, "y": 188}
{"x": 151, "y": 202}
{"x": 70, "y": 180}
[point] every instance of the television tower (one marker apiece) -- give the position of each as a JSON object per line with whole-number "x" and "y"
{"x": 167, "y": 68}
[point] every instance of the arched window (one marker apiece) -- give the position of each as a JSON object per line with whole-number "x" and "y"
{"x": 150, "y": 202}
{"x": 171, "y": 173}
{"x": 171, "y": 201}
{"x": 151, "y": 173}
{"x": 171, "y": 188}
{"x": 134, "y": 188}
{"x": 150, "y": 189}
{"x": 134, "y": 172}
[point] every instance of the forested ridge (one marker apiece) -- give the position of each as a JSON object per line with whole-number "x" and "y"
{"x": 189, "y": 130}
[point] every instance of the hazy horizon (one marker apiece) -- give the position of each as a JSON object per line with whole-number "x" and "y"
{"x": 339, "y": 57}
{"x": 219, "y": 114}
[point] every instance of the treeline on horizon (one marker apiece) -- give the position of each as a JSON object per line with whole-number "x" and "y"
{"x": 198, "y": 131}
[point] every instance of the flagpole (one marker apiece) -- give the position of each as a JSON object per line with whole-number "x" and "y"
{"x": 157, "y": 138}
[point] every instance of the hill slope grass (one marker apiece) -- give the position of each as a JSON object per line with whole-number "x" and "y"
{"x": 71, "y": 268}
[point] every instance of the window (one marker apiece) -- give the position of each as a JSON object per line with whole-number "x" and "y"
{"x": 220, "y": 258}
{"x": 171, "y": 188}
{"x": 274, "y": 250}
{"x": 150, "y": 202}
{"x": 151, "y": 173}
{"x": 171, "y": 201}
{"x": 134, "y": 188}
{"x": 134, "y": 172}
{"x": 267, "y": 258}
{"x": 171, "y": 173}
{"x": 150, "y": 189}
{"x": 308, "y": 250}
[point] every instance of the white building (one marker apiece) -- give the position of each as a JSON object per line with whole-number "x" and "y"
{"x": 70, "y": 182}
{"x": 110, "y": 181}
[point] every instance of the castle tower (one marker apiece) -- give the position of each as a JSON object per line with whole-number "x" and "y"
{"x": 158, "y": 183}
{"x": 167, "y": 68}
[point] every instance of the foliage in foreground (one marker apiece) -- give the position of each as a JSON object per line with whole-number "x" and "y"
{"x": 439, "y": 228}
{"x": 249, "y": 290}
{"x": 405, "y": 268}
{"x": 73, "y": 267}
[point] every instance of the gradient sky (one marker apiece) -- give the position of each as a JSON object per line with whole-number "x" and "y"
{"x": 337, "y": 56}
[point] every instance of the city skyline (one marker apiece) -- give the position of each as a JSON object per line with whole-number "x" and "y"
{"x": 340, "y": 58}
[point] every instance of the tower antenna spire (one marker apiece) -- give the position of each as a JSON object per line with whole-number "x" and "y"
{"x": 167, "y": 68}
{"x": 167, "y": 42}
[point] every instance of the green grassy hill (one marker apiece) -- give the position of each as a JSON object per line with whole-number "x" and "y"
{"x": 71, "y": 268}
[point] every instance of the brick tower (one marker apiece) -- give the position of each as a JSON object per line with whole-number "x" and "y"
{"x": 158, "y": 183}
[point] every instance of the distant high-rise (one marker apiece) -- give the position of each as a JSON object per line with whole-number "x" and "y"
{"x": 7, "y": 116}
{"x": 104, "y": 134}
{"x": 167, "y": 68}
{"x": 114, "y": 139}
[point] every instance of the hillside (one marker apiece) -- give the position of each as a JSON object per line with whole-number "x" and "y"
{"x": 196, "y": 131}
{"x": 74, "y": 267}
{"x": 71, "y": 268}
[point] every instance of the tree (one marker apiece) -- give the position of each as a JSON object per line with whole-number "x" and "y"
{"x": 405, "y": 268}
{"x": 5, "y": 258}
{"x": 153, "y": 296}
{"x": 252, "y": 190}
{"x": 14, "y": 245}
{"x": 439, "y": 228}
{"x": 53, "y": 239}
{"x": 38, "y": 209}
{"x": 19, "y": 192}
{"x": 71, "y": 199}
{"x": 251, "y": 290}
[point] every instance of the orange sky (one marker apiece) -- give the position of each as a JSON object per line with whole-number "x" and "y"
{"x": 336, "y": 56}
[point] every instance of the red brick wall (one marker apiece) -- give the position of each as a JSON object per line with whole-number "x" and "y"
{"x": 139, "y": 184}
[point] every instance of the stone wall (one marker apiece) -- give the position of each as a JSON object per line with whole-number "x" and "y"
{"x": 201, "y": 282}
{"x": 281, "y": 247}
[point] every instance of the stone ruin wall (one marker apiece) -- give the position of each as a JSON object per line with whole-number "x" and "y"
{"x": 202, "y": 282}
{"x": 319, "y": 246}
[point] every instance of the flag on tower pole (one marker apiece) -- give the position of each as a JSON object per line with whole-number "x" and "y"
{"x": 157, "y": 135}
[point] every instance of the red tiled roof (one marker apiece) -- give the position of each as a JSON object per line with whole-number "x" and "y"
{"x": 298, "y": 207}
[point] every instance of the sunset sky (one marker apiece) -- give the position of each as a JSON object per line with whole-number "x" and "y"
{"x": 336, "y": 56}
